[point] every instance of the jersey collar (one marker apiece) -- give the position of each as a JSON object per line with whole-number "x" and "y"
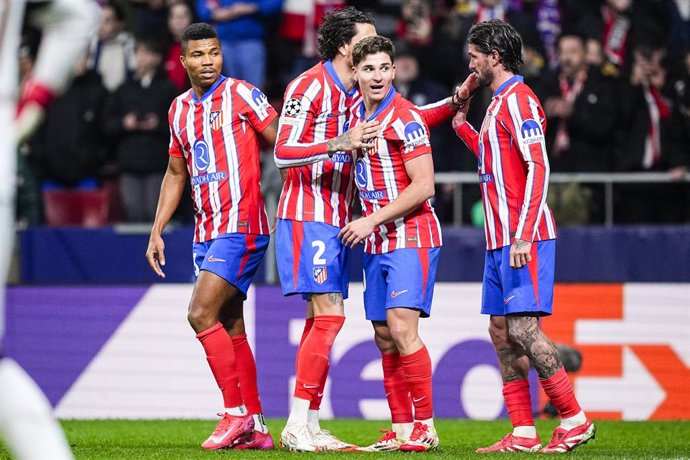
{"x": 513, "y": 79}
{"x": 209, "y": 91}
{"x": 336, "y": 79}
{"x": 383, "y": 106}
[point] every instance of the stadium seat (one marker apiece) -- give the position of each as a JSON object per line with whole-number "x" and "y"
{"x": 86, "y": 208}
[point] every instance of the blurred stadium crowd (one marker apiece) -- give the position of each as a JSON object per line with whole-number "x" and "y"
{"x": 613, "y": 77}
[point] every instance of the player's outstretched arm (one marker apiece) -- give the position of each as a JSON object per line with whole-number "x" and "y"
{"x": 170, "y": 196}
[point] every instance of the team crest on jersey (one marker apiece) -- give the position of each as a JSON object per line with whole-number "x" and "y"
{"x": 531, "y": 132}
{"x": 215, "y": 119}
{"x": 320, "y": 274}
{"x": 415, "y": 135}
{"x": 293, "y": 107}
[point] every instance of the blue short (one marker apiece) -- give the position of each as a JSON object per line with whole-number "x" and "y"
{"x": 523, "y": 290}
{"x": 233, "y": 256}
{"x": 403, "y": 278}
{"x": 311, "y": 259}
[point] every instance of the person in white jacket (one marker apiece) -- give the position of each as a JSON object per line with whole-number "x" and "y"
{"x": 67, "y": 26}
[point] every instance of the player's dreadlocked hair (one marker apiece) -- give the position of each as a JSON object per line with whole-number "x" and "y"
{"x": 338, "y": 28}
{"x": 497, "y": 35}
{"x": 372, "y": 45}
{"x": 197, "y": 31}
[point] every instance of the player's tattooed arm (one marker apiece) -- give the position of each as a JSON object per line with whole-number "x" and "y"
{"x": 340, "y": 143}
{"x": 524, "y": 330}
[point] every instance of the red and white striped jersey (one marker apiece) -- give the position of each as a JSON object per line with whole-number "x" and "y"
{"x": 513, "y": 166}
{"x": 381, "y": 176}
{"x": 316, "y": 109}
{"x": 218, "y": 137}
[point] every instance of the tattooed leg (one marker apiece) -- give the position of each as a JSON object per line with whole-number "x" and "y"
{"x": 525, "y": 332}
{"x": 512, "y": 360}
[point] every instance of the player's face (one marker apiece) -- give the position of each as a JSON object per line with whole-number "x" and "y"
{"x": 203, "y": 61}
{"x": 480, "y": 64}
{"x": 375, "y": 76}
{"x": 363, "y": 31}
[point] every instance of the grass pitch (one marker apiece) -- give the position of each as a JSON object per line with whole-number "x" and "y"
{"x": 180, "y": 439}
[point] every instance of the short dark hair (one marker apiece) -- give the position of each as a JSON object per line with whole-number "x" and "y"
{"x": 499, "y": 36}
{"x": 372, "y": 45}
{"x": 338, "y": 28}
{"x": 150, "y": 43}
{"x": 197, "y": 31}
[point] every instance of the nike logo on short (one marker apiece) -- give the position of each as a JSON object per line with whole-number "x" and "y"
{"x": 319, "y": 394}
{"x": 309, "y": 386}
{"x": 505, "y": 301}
{"x": 215, "y": 259}
{"x": 418, "y": 399}
{"x": 395, "y": 294}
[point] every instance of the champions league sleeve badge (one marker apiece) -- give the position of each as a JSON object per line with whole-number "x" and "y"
{"x": 293, "y": 107}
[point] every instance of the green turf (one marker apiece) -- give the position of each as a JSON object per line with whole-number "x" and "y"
{"x": 180, "y": 439}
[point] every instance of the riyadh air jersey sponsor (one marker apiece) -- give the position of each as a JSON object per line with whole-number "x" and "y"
{"x": 513, "y": 166}
{"x": 218, "y": 137}
{"x": 380, "y": 176}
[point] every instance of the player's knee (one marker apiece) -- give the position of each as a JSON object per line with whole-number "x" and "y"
{"x": 499, "y": 336}
{"x": 200, "y": 319}
{"x": 403, "y": 334}
{"x": 384, "y": 342}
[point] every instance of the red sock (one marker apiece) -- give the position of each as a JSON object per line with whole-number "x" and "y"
{"x": 560, "y": 391}
{"x": 246, "y": 368}
{"x": 417, "y": 369}
{"x": 518, "y": 402}
{"x": 397, "y": 392}
{"x": 308, "y": 324}
{"x": 221, "y": 357}
{"x": 312, "y": 360}
{"x": 316, "y": 401}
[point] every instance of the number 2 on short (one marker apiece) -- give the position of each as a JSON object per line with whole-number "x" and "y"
{"x": 321, "y": 248}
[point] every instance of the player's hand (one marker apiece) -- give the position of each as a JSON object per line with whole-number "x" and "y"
{"x": 355, "y": 232}
{"x": 464, "y": 93}
{"x": 355, "y": 138}
{"x": 520, "y": 253}
{"x": 155, "y": 254}
{"x": 274, "y": 225}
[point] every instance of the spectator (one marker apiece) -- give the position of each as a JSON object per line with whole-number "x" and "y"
{"x": 241, "y": 32}
{"x": 422, "y": 91}
{"x": 149, "y": 17}
{"x": 680, "y": 133}
{"x": 620, "y": 24}
{"x": 112, "y": 52}
{"x": 179, "y": 17}
{"x": 581, "y": 111}
{"x": 68, "y": 150}
{"x": 644, "y": 139}
{"x": 136, "y": 121}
